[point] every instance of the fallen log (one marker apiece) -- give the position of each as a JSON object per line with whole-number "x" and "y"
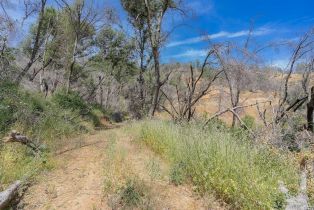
{"x": 17, "y": 137}
{"x": 8, "y": 195}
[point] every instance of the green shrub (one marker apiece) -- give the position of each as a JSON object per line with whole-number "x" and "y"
{"x": 134, "y": 194}
{"x": 42, "y": 120}
{"x": 71, "y": 100}
{"x": 249, "y": 121}
{"x": 216, "y": 124}
{"x": 242, "y": 174}
{"x": 177, "y": 173}
{"x": 18, "y": 163}
{"x": 74, "y": 102}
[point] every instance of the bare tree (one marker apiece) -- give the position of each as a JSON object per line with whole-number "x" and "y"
{"x": 303, "y": 50}
{"x": 197, "y": 85}
{"x": 236, "y": 62}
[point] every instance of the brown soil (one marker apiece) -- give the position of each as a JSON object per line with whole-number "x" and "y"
{"x": 78, "y": 179}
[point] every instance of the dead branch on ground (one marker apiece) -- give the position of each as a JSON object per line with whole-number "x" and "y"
{"x": 19, "y": 138}
{"x": 9, "y": 194}
{"x": 232, "y": 110}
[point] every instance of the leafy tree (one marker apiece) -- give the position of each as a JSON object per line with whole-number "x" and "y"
{"x": 117, "y": 52}
{"x": 77, "y": 24}
{"x": 143, "y": 52}
{"x": 151, "y": 13}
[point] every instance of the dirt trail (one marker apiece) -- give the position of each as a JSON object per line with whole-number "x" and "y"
{"x": 141, "y": 161}
{"x": 77, "y": 181}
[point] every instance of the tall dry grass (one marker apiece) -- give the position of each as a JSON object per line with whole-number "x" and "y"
{"x": 239, "y": 172}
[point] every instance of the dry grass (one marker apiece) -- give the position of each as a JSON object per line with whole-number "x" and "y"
{"x": 244, "y": 175}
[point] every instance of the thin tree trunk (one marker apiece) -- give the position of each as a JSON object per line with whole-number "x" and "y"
{"x": 36, "y": 44}
{"x": 43, "y": 86}
{"x": 71, "y": 69}
{"x": 310, "y": 109}
{"x": 141, "y": 81}
{"x": 157, "y": 83}
{"x": 101, "y": 97}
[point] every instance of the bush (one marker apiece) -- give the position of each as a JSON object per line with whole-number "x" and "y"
{"x": 216, "y": 124}
{"x": 71, "y": 100}
{"x": 249, "y": 121}
{"x": 290, "y": 129}
{"x": 244, "y": 175}
{"x": 44, "y": 121}
{"x": 74, "y": 102}
{"x": 133, "y": 193}
{"x": 177, "y": 173}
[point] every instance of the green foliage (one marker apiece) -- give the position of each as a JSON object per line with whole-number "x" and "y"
{"x": 48, "y": 27}
{"x": 249, "y": 121}
{"x": 177, "y": 173}
{"x": 117, "y": 53}
{"x": 244, "y": 175}
{"x": 71, "y": 100}
{"x": 137, "y": 9}
{"x": 216, "y": 124}
{"x": 17, "y": 105}
{"x": 291, "y": 127}
{"x": 132, "y": 193}
{"x": 46, "y": 122}
{"x": 17, "y": 162}
{"x": 75, "y": 103}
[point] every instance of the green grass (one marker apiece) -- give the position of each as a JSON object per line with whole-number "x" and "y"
{"x": 49, "y": 122}
{"x": 216, "y": 161}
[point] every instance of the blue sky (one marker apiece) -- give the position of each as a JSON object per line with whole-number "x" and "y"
{"x": 224, "y": 20}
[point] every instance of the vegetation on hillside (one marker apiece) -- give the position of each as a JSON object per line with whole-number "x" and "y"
{"x": 48, "y": 122}
{"x": 236, "y": 170}
{"x": 80, "y": 66}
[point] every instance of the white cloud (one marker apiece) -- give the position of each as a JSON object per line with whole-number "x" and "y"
{"x": 192, "y": 54}
{"x": 280, "y": 63}
{"x": 222, "y": 34}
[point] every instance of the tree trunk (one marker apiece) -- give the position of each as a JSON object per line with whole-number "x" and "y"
{"x": 43, "y": 83}
{"x": 101, "y": 98}
{"x": 36, "y": 44}
{"x": 141, "y": 82}
{"x": 310, "y": 109}
{"x": 235, "y": 102}
{"x": 71, "y": 69}
{"x": 157, "y": 83}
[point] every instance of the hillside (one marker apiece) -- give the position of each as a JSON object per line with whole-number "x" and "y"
{"x": 156, "y": 104}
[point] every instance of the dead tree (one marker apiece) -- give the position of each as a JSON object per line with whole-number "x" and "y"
{"x": 182, "y": 106}
{"x": 236, "y": 61}
{"x": 309, "y": 113}
{"x": 36, "y": 46}
{"x": 303, "y": 50}
{"x": 232, "y": 110}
